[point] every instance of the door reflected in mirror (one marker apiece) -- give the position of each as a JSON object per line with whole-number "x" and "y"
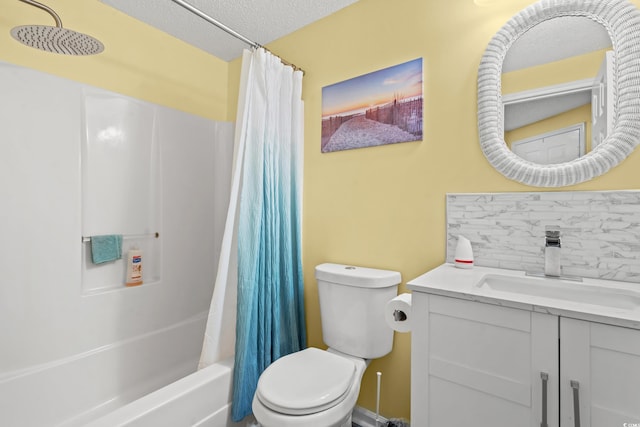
{"x": 557, "y": 90}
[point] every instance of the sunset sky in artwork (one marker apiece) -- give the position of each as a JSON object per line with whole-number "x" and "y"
{"x": 374, "y": 89}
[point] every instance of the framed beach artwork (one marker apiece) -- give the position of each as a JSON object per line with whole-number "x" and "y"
{"x": 378, "y": 108}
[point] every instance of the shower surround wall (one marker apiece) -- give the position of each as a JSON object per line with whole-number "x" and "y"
{"x": 74, "y": 346}
{"x": 600, "y": 230}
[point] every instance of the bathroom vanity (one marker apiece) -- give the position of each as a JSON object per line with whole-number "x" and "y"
{"x": 494, "y": 347}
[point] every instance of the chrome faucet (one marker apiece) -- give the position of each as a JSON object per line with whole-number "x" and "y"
{"x": 552, "y": 251}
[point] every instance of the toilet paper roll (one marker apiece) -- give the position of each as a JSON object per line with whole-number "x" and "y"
{"x": 398, "y": 313}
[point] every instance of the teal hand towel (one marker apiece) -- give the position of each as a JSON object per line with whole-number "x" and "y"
{"x": 106, "y": 248}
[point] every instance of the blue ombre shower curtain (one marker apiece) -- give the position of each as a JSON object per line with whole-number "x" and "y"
{"x": 270, "y": 319}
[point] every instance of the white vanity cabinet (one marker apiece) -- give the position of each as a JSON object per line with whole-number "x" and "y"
{"x": 476, "y": 364}
{"x": 487, "y": 365}
{"x": 599, "y": 368}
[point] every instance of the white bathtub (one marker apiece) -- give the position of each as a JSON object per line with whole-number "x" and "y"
{"x": 201, "y": 399}
{"x": 131, "y": 383}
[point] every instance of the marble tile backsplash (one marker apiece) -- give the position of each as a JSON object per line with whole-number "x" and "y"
{"x": 600, "y": 230}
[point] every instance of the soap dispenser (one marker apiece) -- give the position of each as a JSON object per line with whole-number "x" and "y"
{"x": 463, "y": 257}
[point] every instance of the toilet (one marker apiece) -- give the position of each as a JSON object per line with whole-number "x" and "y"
{"x": 319, "y": 388}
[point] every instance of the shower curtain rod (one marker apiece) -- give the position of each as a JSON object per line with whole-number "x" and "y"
{"x": 229, "y": 31}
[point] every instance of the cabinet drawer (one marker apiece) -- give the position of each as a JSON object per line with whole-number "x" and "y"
{"x": 490, "y": 314}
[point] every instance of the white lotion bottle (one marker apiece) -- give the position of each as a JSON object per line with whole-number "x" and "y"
{"x": 134, "y": 267}
{"x": 463, "y": 257}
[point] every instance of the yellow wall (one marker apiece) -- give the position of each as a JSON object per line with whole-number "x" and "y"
{"x": 138, "y": 60}
{"x": 576, "y": 68}
{"x": 384, "y": 206}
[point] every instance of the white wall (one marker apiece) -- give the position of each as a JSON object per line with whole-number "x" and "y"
{"x": 44, "y": 314}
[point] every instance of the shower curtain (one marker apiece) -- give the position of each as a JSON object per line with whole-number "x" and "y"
{"x": 263, "y": 221}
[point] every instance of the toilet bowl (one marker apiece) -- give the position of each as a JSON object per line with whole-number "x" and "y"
{"x": 311, "y": 388}
{"x": 318, "y": 388}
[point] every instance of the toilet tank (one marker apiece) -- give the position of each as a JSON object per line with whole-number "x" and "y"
{"x": 352, "y": 303}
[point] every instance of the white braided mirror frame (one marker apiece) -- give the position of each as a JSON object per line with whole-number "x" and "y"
{"x": 622, "y": 20}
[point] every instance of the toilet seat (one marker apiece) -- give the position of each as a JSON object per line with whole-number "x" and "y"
{"x": 306, "y": 382}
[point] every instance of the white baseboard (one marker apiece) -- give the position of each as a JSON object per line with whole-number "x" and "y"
{"x": 365, "y": 418}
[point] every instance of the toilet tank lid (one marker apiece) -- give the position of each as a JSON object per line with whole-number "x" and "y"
{"x": 362, "y": 277}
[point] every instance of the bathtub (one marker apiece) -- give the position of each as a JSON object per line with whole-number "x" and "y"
{"x": 201, "y": 399}
{"x": 135, "y": 382}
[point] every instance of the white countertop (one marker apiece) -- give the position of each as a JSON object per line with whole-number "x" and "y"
{"x": 447, "y": 280}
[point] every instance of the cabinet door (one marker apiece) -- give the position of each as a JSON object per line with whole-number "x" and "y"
{"x": 599, "y": 374}
{"x": 479, "y": 364}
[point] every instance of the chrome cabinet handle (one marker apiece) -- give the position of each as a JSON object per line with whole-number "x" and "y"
{"x": 575, "y": 385}
{"x": 545, "y": 378}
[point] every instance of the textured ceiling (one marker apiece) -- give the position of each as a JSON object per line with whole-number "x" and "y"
{"x": 261, "y": 21}
{"x": 556, "y": 39}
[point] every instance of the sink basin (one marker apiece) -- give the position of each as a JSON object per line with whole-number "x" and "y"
{"x": 606, "y": 296}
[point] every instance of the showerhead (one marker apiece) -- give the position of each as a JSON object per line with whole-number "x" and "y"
{"x": 55, "y": 39}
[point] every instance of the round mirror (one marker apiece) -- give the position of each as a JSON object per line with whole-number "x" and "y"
{"x": 559, "y": 91}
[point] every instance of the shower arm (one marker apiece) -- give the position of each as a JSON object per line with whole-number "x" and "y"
{"x": 46, "y": 9}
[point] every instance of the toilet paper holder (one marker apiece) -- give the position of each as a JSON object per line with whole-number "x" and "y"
{"x": 399, "y": 315}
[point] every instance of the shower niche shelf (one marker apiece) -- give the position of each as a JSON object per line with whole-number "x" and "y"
{"x": 120, "y": 160}
{"x": 98, "y": 278}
